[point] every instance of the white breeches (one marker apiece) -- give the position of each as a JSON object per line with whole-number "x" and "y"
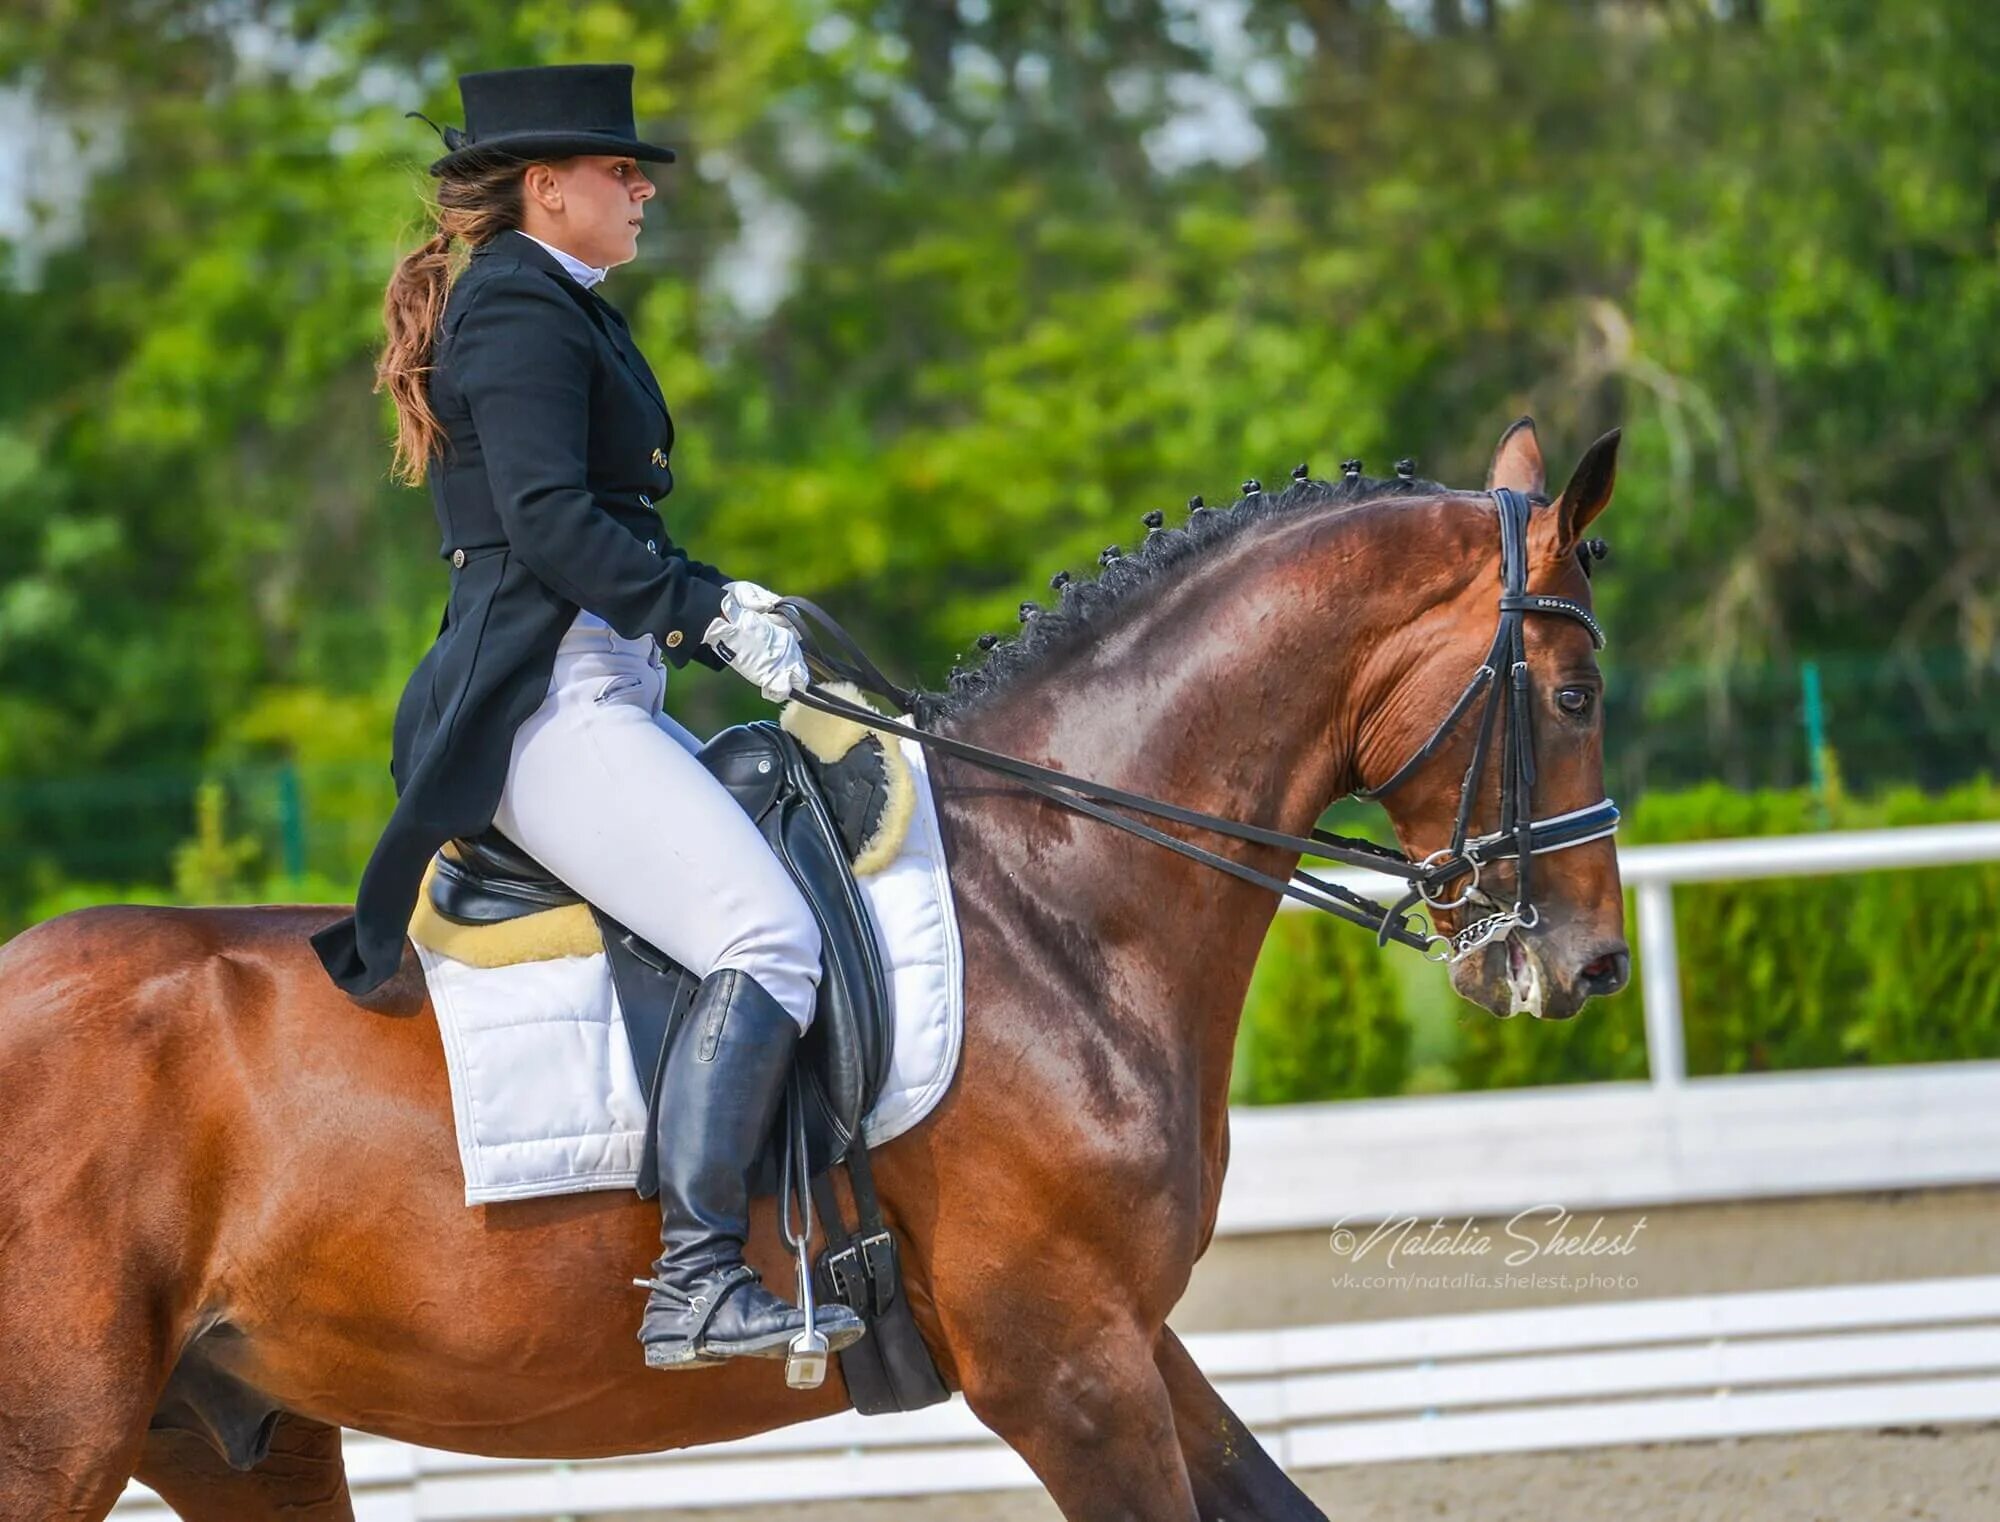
{"x": 604, "y": 790}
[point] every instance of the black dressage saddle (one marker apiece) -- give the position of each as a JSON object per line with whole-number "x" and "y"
{"x": 814, "y": 815}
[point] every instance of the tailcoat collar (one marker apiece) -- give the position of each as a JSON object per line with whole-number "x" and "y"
{"x": 517, "y": 247}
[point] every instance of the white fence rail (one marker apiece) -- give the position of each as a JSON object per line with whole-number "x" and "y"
{"x": 1653, "y": 872}
{"x": 1510, "y": 1381}
{"x": 1669, "y": 1139}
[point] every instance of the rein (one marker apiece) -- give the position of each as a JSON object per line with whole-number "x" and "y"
{"x": 1520, "y": 835}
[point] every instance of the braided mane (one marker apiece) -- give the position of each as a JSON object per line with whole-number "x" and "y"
{"x": 1087, "y": 609}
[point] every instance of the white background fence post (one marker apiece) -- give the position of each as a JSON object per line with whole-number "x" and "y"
{"x": 1660, "y": 982}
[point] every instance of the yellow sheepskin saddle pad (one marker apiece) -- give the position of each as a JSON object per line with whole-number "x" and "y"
{"x": 487, "y": 903}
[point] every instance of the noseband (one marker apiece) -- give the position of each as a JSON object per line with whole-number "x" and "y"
{"x": 1519, "y": 838}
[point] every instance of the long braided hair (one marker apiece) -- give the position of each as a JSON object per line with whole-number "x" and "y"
{"x": 473, "y": 203}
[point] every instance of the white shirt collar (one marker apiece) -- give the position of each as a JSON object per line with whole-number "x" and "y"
{"x": 583, "y": 274}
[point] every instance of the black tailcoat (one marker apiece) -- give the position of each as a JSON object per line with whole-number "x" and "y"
{"x": 556, "y": 444}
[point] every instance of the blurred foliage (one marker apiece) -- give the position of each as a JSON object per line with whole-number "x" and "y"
{"x": 1323, "y": 1020}
{"x": 211, "y": 863}
{"x": 946, "y": 295}
{"x": 1820, "y": 972}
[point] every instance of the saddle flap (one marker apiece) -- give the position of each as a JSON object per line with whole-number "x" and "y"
{"x": 850, "y": 1036}
{"x": 856, "y": 790}
{"x": 845, "y": 1054}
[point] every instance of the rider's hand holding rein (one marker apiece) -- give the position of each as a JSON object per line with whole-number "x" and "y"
{"x": 758, "y": 643}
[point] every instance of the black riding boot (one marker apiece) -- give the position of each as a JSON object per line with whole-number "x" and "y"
{"x": 719, "y": 1096}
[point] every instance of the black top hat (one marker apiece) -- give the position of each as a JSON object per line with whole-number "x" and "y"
{"x": 545, "y": 112}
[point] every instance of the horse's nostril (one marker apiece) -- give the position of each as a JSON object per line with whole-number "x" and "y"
{"x": 1608, "y": 973}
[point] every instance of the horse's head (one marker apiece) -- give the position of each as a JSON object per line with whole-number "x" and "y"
{"x": 1570, "y": 942}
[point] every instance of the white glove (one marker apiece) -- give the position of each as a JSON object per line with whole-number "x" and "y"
{"x": 758, "y": 644}
{"x": 749, "y": 595}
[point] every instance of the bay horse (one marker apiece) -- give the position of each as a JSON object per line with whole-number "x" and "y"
{"x": 233, "y": 1204}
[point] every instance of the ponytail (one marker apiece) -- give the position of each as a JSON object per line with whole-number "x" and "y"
{"x": 473, "y": 204}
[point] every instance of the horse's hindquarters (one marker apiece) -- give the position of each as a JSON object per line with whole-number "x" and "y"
{"x": 99, "y": 1220}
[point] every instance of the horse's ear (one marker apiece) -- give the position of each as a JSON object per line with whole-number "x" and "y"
{"x": 1517, "y": 459}
{"x": 1588, "y": 490}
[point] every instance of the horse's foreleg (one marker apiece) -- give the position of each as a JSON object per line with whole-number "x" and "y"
{"x": 301, "y": 1479}
{"x": 1089, "y": 1412}
{"x": 1234, "y": 1479}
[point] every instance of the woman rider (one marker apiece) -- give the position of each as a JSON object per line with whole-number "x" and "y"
{"x": 524, "y": 402}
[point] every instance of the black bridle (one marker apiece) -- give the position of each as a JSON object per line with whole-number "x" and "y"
{"x": 1519, "y": 838}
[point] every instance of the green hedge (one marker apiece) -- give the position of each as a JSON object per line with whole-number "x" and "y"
{"x": 1324, "y": 1018}
{"x": 1880, "y": 967}
{"x": 1875, "y": 967}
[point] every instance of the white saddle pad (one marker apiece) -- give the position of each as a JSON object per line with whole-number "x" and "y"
{"x": 543, "y": 1089}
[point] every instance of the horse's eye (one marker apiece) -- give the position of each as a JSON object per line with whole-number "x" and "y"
{"x": 1575, "y": 700}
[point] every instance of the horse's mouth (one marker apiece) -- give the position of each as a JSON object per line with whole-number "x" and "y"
{"x": 1526, "y": 991}
{"x": 1510, "y": 978}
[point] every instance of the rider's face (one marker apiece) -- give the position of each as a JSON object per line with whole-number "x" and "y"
{"x": 592, "y": 206}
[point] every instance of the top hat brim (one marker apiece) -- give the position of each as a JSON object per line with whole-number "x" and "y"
{"x": 550, "y": 145}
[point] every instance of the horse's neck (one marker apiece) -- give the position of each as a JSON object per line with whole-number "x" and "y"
{"x": 1232, "y": 690}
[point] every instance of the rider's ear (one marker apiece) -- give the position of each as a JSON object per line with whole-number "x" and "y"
{"x": 1588, "y": 490}
{"x": 1517, "y": 460}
